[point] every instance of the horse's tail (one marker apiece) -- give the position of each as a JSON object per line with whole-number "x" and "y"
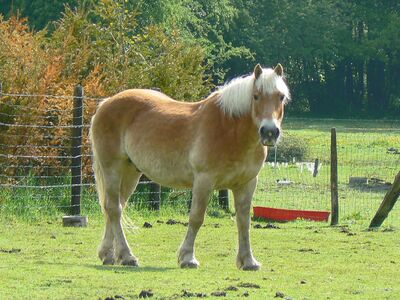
{"x": 99, "y": 178}
{"x": 98, "y": 171}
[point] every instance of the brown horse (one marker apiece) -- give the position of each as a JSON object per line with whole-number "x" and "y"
{"x": 216, "y": 143}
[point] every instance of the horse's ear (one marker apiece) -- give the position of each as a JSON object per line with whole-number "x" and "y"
{"x": 257, "y": 71}
{"x": 279, "y": 69}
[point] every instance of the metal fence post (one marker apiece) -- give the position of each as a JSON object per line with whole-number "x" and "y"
{"x": 334, "y": 180}
{"x": 76, "y": 162}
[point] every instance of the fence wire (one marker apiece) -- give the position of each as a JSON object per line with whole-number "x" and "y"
{"x": 35, "y": 162}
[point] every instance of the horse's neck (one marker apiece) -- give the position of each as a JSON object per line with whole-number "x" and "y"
{"x": 238, "y": 131}
{"x": 246, "y": 131}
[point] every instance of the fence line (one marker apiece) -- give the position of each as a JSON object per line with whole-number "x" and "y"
{"x": 36, "y": 160}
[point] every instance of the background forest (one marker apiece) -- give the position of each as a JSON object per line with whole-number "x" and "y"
{"x": 342, "y": 58}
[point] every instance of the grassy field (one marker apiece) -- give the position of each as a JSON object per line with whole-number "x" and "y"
{"x": 39, "y": 259}
{"x": 301, "y": 260}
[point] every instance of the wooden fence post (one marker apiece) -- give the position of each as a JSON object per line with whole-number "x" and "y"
{"x": 155, "y": 195}
{"x": 154, "y": 199}
{"x": 76, "y": 151}
{"x": 223, "y": 199}
{"x": 76, "y": 162}
{"x": 316, "y": 165}
{"x": 387, "y": 204}
{"x": 334, "y": 180}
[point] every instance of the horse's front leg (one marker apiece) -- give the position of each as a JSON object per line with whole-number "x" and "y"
{"x": 243, "y": 195}
{"x": 202, "y": 188}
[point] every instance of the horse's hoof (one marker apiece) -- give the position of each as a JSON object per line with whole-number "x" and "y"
{"x": 248, "y": 264}
{"x": 254, "y": 267}
{"x": 131, "y": 262}
{"x": 193, "y": 264}
{"x": 108, "y": 261}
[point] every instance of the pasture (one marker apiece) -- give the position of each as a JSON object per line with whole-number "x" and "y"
{"x": 301, "y": 260}
{"x": 39, "y": 259}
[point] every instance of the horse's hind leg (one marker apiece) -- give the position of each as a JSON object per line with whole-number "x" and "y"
{"x": 118, "y": 183}
{"x": 106, "y": 249}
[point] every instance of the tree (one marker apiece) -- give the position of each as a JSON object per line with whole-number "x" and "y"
{"x": 38, "y": 12}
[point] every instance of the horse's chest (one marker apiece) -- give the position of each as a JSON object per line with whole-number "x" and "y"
{"x": 239, "y": 173}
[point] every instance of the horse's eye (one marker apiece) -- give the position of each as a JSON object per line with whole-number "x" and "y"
{"x": 255, "y": 97}
{"x": 282, "y": 97}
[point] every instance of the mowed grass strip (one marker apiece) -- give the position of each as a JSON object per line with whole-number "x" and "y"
{"x": 301, "y": 260}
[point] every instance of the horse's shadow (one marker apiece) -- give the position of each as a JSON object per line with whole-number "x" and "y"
{"x": 124, "y": 269}
{"x": 113, "y": 268}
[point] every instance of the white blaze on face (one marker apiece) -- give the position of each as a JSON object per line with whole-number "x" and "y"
{"x": 269, "y": 123}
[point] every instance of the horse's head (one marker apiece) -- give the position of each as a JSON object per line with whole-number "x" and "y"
{"x": 270, "y": 94}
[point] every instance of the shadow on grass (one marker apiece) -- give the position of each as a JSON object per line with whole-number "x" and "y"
{"x": 113, "y": 268}
{"x": 125, "y": 269}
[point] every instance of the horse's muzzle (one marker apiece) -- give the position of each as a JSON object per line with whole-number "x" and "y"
{"x": 269, "y": 135}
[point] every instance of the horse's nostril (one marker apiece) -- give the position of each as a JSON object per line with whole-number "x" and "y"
{"x": 263, "y": 130}
{"x": 269, "y": 132}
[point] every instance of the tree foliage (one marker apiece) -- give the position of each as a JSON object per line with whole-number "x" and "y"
{"x": 99, "y": 47}
{"x": 342, "y": 57}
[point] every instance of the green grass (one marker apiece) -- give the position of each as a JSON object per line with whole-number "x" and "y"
{"x": 302, "y": 260}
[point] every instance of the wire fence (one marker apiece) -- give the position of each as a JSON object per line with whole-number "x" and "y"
{"x": 36, "y": 162}
{"x": 368, "y": 160}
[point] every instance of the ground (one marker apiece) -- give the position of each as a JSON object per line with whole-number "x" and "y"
{"x": 301, "y": 260}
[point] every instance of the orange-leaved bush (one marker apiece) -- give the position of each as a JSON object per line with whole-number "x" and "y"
{"x": 99, "y": 49}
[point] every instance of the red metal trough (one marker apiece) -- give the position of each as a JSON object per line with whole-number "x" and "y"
{"x": 284, "y": 215}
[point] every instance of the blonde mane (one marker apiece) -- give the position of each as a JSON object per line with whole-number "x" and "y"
{"x": 235, "y": 97}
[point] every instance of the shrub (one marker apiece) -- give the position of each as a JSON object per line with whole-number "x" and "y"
{"x": 103, "y": 50}
{"x": 290, "y": 147}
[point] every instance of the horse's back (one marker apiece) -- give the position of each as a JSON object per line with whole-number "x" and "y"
{"x": 149, "y": 129}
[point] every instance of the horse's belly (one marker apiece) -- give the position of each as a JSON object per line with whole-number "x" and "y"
{"x": 169, "y": 178}
{"x": 171, "y": 171}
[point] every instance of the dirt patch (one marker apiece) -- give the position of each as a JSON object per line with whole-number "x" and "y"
{"x": 218, "y": 294}
{"x": 146, "y": 294}
{"x": 114, "y": 298}
{"x": 372, "y": 184}
{"x": 249, "y": 285}
{"x": 175, "y": 222}
{"x": 10, "y": 251}
{"x": 186, "y": 293}
{"x": 304, "y": 250}
{"x": 232, "y": 279}
{"x": 267, "y": 226}
{"x": 347, "y": 231}
{"x": 147, "y": 225}
{"x": 232, "y": 288}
